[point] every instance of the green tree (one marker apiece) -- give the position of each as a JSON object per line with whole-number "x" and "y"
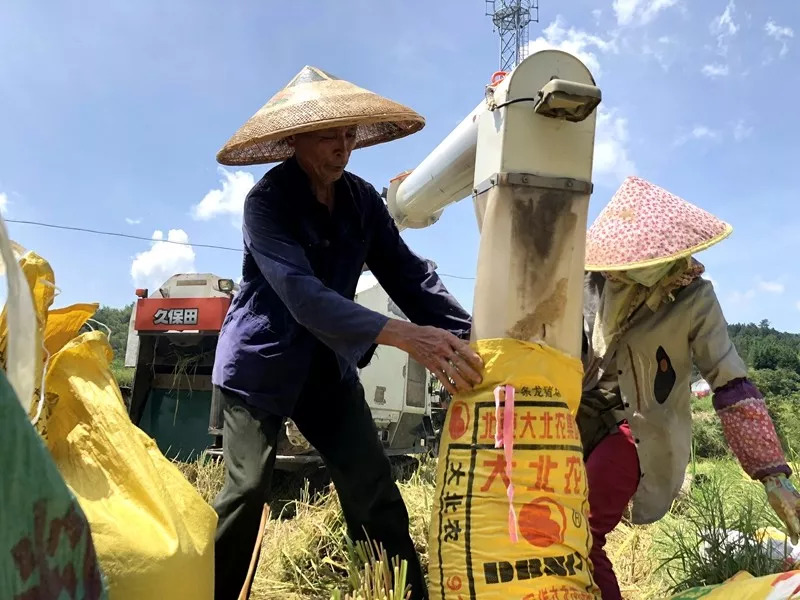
{"x": 781, "y": 390}
{"x": 765, "y": 354}
{"x": 773, "y": 354}
{"x": 777, "y": 383}
{"x": 117, "y": 320}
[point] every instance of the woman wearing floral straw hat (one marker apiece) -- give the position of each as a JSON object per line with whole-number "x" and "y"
{"x": 649, "y": 317}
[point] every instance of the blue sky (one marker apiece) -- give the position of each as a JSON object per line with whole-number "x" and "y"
{"x": 112, "y": 114}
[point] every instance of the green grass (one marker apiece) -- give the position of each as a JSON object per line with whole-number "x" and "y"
{"x": 652, "y": 562}
{"x": 372, "y": 575}
{"x": 693, "y": 543}
{"x": 123, "y": 374}
{"x": 707, "y": 430}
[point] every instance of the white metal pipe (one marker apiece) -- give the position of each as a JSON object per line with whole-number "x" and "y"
{"x": 443, "y": 177}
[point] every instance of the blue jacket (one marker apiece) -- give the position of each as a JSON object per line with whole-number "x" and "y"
{"x": 301, "y": 266}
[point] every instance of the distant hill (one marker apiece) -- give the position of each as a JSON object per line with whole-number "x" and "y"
{"x": 763, "y": 347}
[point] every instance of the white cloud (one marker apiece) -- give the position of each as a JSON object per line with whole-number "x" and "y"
{"x": 663, "y": 51}
{"x": 583, "y": 45}
{"x": 763, "y": 287}
{"x": 654, "y": 7}
{"x": 611, "y": 146}
{"x": 699, "y": 132}
{"x": 742, "y": 297}
{"x": 742, "y": 131}
{"x": 782, "y": 35}
{"x": 631, "y": 12}
{"x": 625, "y": 10}
{"x": 3, "y": 203}
{"x": 130, "y": 221}
{"x": 724, "y": 28}
{"x": 151, "y": 268}
{"x": 715, "y": 70}
{"x": 771, "y": 287}
{"x": 228, "y": 199}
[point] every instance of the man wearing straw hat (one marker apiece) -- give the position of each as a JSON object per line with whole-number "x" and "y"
{"x": 649, "y": 317}
{"x": 293, "y": 337}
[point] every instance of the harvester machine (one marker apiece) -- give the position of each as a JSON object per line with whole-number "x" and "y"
{"x": 171, "y": 344}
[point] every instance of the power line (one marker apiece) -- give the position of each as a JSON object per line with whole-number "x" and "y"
{"x": 121, "y": 235}
{"x": 146, "y": 239}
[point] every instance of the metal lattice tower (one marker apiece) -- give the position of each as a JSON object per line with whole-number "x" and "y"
{"x": 511, "y": 19}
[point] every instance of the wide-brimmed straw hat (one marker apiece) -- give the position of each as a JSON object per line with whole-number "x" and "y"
{"x": 316, "y": 100}
{"x": 645, "y": 225}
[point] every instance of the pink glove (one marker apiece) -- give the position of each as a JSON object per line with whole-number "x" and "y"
{"x": 785, "y": 501}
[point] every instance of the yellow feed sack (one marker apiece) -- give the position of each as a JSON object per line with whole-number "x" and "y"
{"x": 41, "y": 281}
{"x": 743, "y": 586}
{"x": 472, "y": 551}
{"x": 153, "y": 533}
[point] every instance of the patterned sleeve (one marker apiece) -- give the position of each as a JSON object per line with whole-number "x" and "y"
{"x": 746, "y": 423}
{"x": 749, "y": 430}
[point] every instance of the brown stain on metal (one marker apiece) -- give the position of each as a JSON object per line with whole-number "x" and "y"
{"x": 548, "y": 311}
{"x": 536, "y": 219}
{"x": 541, "y": 220}
{"x": 543, "y": 227}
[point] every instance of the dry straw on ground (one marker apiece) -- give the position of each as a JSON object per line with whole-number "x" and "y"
{"x": 305, "y": 554}
{"x": 305, "y": 557}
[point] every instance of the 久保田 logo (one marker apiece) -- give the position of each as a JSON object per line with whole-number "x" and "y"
{"x": 175, "y": 316}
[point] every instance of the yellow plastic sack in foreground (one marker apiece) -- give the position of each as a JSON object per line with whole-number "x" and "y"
{"x": 743, "y": 586}
{"x": 41, "y": 281}
{"x": 153, "y": 533}
{"x": 472, "y": 549}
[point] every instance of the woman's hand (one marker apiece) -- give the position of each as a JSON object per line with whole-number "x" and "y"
{"x": 452, "y": 360}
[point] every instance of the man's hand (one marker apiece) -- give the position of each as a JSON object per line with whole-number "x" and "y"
{"x": 453, "y": 362}
{"x": 785, "y": 501}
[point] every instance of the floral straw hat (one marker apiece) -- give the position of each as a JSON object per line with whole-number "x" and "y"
{"x": 645, "y": 225}
{"x": 311, "y": 101}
